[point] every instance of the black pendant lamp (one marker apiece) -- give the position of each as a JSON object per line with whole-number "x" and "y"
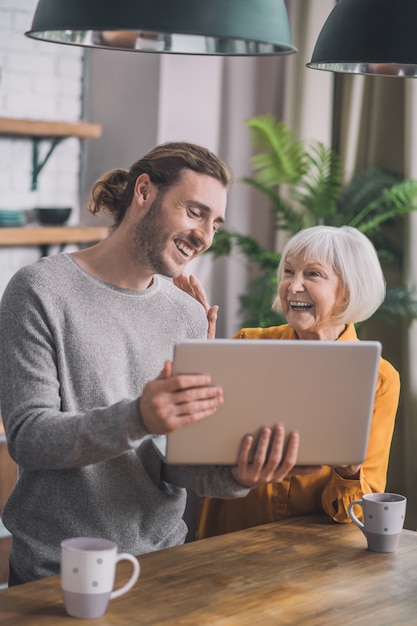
{"x": 210, "y": 27}
{"x": 376, "y": 37}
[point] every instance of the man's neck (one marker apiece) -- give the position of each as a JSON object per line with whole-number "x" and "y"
{"x": 110, "y": 262}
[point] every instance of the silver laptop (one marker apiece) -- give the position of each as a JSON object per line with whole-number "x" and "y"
{"x": 322, "y": 389}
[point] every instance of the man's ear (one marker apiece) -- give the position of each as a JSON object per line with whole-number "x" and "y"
{"x": 142, "y": 188}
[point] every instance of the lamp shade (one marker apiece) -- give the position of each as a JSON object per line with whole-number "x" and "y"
{"x": 376, "y": 37}
{"x": 217, "y": 27}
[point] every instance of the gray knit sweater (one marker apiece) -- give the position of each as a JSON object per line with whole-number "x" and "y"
{"x": 75, "y": 355}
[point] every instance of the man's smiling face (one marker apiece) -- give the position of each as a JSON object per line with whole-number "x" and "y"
{"x": 179, "y": 224}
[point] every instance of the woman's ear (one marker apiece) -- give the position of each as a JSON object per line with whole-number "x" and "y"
{"x": 346, "y": 298}
{"x": 344, "y": 301}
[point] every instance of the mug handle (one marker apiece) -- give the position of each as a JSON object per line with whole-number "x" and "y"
{"x": 353, "y": 517}
{"x": 133, "y": 578}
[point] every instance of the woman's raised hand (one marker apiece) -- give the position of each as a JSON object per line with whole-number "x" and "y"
{"x": 192, "y": 286}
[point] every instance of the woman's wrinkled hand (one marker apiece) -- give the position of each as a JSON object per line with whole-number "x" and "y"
{"x": 192, "y": 286}
{"x": 269, "y": 460}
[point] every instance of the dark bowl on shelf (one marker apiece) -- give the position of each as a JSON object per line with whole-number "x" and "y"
{"x": 52, "y": 216}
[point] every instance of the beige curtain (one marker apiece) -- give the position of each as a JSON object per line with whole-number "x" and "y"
{"x": 406, "y": 456}
{"x": 307, "y": 95}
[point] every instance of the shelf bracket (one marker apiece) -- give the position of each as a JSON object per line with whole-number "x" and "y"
{"x": 45, "y": 247}
{"x": 38, "y": 164}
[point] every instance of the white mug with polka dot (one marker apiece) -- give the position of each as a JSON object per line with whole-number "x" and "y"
{"x": 88, "y": 568}
{"x": 383, "y": 517}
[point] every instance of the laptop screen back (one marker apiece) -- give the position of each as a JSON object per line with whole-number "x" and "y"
{"x": 324, "y": 390}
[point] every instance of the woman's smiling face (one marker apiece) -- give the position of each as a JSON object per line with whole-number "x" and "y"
{"x": 311, "y": 296}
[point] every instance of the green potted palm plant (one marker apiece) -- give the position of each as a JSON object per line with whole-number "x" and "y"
{"x": 304, "y": 186}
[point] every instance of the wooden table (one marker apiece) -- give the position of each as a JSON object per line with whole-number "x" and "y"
{"x": 305, "y": 571}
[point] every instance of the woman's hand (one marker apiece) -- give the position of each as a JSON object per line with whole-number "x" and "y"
{"x": 192, "y": 286}
{"x": 271, "y": 461}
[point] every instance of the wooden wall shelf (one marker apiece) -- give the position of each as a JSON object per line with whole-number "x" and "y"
{"x": 39, "y": 131}
{"x": 45, "y": 236}
{"x": 38, "y": 235}
{"x": 38, "y": 128}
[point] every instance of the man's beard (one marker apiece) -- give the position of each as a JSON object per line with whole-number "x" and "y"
{"x": 148, "y": 241}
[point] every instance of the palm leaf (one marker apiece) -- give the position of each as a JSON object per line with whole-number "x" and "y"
{"x": 400, "y": 301}
{"x": 255, "y": 306}
{"x": 281, "y": 159}
{"x": 363, "y": 188}
{"x": 225, "y": 241}
{"x": 256, "y": 253}
{"x": 222, "y": 244}
{"x": 321, "y": 186}
{"x": 283, "y": 213}
{"x": 395, "y": 201}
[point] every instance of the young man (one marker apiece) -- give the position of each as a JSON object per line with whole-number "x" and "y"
{"x": 85, "y": 376}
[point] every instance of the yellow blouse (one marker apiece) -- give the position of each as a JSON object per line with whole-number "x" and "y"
{"x": 325, "y": 492}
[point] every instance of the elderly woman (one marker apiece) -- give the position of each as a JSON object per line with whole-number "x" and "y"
{"x": 329, "y": 279}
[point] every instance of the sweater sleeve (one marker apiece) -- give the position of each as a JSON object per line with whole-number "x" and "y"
{"x": 339, "y": 492}
{"x": 206, "y": 480}
{"x": 44, "y": 428}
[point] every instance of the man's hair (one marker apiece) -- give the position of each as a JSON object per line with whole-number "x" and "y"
{"x": 164, "y": 164}
{"x": 355, "y": 261}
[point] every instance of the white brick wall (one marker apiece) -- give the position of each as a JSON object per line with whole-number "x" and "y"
{"x": 39, "y": 80}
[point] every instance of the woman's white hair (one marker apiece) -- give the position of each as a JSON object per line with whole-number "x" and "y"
{"x": 355, "y": 261}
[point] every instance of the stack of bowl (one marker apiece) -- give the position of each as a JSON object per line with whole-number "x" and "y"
{"x": 11, "y": 217}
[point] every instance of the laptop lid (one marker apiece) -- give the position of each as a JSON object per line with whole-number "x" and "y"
{"x": 322, "y": 389}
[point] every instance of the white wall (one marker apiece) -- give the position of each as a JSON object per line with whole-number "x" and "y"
{"x": 38, "y": 81}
